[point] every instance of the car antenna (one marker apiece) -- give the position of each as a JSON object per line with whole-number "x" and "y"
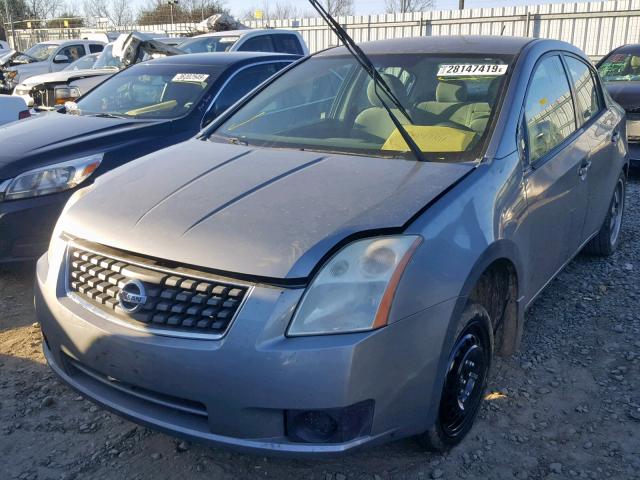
{"x": 378, "y": 80}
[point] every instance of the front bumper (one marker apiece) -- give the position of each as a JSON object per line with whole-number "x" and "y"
{"x": 236, "y": 391}
{"x": 26, "y": 225}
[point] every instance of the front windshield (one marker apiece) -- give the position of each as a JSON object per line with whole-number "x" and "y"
{"x": 107, "y": 60}
{"x": 328, "y": 103}
{"x": 620, "y": 67}
{"x": 149, "y": 91}
{"x": 208, "y": 44}
{"x": 84, "y": 63}
{"x": 38, "y": 53}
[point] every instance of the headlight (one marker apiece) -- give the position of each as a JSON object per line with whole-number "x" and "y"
{"x": 52, "y": 178}
{"x": 57, "y": 246}
{"x": 66, "y": 94}
{"x": 10, "y": 75}
{"x": 354, "y": 290}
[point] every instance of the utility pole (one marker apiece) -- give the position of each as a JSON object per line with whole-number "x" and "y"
{"x": 171, "y": 4}
{"x": 461, "y": 4}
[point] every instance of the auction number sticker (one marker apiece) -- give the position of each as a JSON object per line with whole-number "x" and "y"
{"x": 463, "y": 69}
{"x": 190, "y": 77}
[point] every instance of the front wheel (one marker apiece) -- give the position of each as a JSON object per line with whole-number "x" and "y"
{"x": 607, "y": 239}
{"x": 465, "y": 380}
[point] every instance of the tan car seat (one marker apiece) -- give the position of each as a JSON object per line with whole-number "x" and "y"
{"x": 375, "y": 120}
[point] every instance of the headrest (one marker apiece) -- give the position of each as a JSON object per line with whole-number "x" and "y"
{"x": 396, "y": 86}
{"x": 451, "y": 92}
{"x": 635, "y": 61}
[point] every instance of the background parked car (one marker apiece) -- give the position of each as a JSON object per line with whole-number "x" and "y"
{"x": 4, "y": 46}
{"x": 250, "y": 40}
{"x": 139, "y": 110}
{"x": 12, "y": 109}
{"x": 51, "y": 88}
{"x": 46, "y": 92}
{"x": 47, "y": 57}
{"x": 620, "y": 72}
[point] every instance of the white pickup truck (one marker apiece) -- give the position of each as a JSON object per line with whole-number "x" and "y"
{"x": 12, "y": 109}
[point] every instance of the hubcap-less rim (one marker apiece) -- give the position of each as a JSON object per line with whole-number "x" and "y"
{"x": 617, "y": 207}
{"x": 464, "y": 384}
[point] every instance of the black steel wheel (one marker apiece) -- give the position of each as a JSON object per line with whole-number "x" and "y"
{"x": 465, "y": 380}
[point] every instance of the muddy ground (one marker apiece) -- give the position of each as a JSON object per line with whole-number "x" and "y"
{"x": 566, "y": 406}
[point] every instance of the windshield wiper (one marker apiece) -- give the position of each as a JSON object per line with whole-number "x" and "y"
{"x": 107, "y": 115}
{"x": 378, "y": 80}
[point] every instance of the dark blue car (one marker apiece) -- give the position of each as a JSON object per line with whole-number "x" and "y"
{"x": 142, "y": 109}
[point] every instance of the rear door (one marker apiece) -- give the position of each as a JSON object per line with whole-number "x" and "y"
{"x": 602, "y": 128}
{"x": 556, "y": 152}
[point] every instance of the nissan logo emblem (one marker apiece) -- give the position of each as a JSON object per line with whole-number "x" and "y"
{"x": 132, "y": 296}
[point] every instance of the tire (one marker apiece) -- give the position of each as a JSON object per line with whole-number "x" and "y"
{"x": 607, "y": 240}
{"x": 468, "y": 364}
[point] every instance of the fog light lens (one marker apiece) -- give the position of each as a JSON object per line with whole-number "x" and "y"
{"x": 333, "y": 425}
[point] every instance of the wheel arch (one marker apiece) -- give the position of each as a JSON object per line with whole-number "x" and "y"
{"x": 496, "y": 281}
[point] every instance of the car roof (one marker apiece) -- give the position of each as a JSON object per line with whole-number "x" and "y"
{"x": 631, "y": 48}
{"x": 469, "y": 44}
{"x": 72, "y": 41}
{"x": 244, "y": 33}
{"x": 220, "y": 58}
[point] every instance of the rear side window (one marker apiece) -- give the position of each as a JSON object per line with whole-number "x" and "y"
{"x": 245, "y": 81}
{"x": 287, "y": 43}
{"x": 549, "y": 113}
{"x": 96, "y": 48}
{"x": 588, "y": 97}
{"x": 261, "y": 43}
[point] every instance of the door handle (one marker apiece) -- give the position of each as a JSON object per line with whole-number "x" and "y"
{"x": 584, "y": 169}
{"x": 615, "y": 136}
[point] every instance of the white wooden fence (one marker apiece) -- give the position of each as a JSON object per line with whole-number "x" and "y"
{"x": 595, "y": 27}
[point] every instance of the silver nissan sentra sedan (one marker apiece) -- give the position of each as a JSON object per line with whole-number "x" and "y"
{"x": 335, "y": 261}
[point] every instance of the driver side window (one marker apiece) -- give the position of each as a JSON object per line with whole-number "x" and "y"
{"x": 72, "y": 52}
{"x": 549, "y": 114}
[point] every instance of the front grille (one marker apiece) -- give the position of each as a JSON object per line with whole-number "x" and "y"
{"x": 43, "y": 97}
{"x": 174, "y": 302}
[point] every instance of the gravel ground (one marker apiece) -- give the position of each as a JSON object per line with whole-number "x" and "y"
{"x": 566, "y": 406}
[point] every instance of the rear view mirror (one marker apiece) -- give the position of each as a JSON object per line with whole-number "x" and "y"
{"x": 61, "y": 59}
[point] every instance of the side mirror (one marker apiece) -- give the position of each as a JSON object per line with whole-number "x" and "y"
{"x": 212, "y": 114}
{"x": 60, "y": 59}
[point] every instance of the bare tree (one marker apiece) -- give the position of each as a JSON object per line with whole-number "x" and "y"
{"x": 118, "y": 12}
{"x": 43, "y": 9}
{"x": 338, "y": 7}
{"x": 404, "y": 6}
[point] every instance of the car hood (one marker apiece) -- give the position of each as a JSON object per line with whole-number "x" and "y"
{"x": 627, "y": 94}
{"x": 30, "y": 69}
{"x": 258, "y": 212}
{"x": 65, "y": 76}
{"x": 44, "y": 139}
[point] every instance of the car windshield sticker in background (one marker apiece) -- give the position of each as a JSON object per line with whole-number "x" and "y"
{"x": 471, "y": 69}
{"x": 190, "y": 77}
